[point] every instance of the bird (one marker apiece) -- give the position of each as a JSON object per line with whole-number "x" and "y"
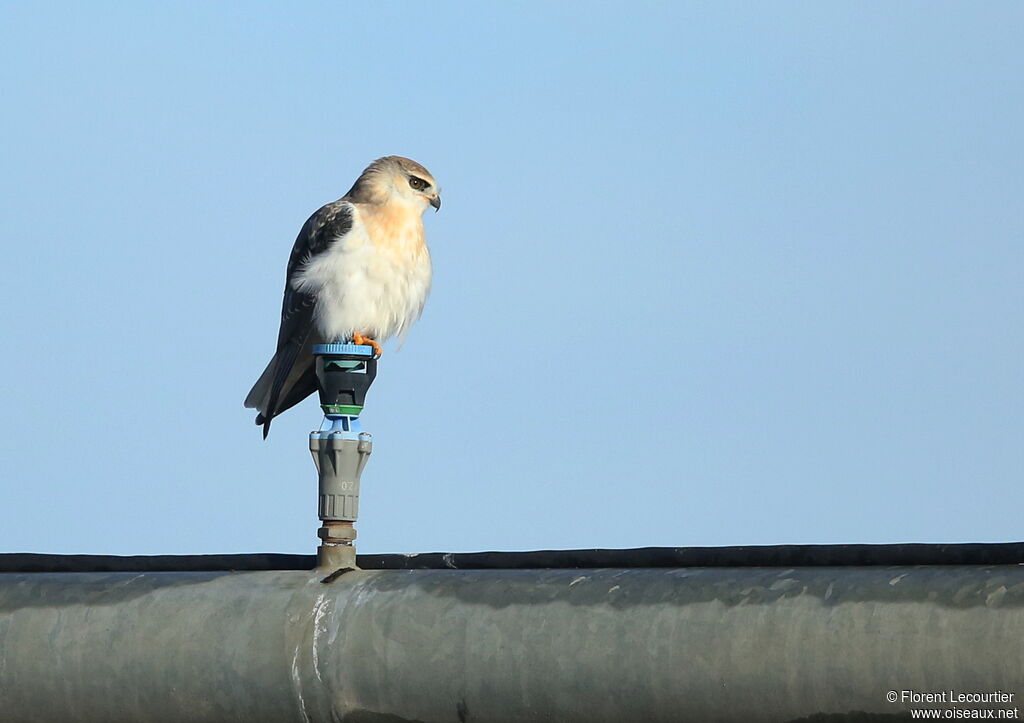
{"x": 359, "y": 272}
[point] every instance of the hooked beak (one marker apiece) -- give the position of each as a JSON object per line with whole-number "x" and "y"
{"x": 436, "y": 203}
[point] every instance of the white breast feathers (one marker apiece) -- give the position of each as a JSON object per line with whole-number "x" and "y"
{"x": 374, "y": 280}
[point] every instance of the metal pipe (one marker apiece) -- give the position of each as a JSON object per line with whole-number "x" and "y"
{"x": 686, "y": 644}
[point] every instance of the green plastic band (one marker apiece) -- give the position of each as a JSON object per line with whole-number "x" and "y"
{"x": 351, "y": 410}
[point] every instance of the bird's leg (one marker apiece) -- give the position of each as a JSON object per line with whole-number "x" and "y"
{"x": 365, "y": 340}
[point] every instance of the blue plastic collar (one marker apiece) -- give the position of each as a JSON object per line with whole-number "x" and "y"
{"x": 343, "y": 348}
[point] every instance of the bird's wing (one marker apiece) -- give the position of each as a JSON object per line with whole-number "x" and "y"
{"x": 290, "y": 376}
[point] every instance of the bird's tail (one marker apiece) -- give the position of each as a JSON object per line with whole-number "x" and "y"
{"x": 259, "y": 396}
{"x": 289, "y": 378}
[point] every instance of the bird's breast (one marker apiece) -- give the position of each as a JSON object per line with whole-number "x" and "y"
{"x": 374, "y": 280}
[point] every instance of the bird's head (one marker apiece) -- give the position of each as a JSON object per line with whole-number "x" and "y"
{"x": 394, "y": 179}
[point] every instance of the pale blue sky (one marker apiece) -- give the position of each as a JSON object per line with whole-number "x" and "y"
{"x": 716, "y": 273}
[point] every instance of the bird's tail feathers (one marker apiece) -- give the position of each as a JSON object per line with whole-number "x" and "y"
{"x": 259, "y": 395}
{"x": 284, "y": 360}
{"x": 276, "y": 389}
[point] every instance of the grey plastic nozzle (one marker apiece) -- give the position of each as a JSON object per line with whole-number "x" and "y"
{"x": 339, "y": 460}
{"x": 340, "y": 463}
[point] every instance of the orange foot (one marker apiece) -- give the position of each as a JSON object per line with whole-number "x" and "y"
{"x": 364, "y": 340}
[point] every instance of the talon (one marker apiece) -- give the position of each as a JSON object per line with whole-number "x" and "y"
{"x": 361, "y": 340}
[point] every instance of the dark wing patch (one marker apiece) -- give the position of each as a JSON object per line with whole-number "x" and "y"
{"x": 320, "y": 230}
{"x": 316, "y": 235}
{"x": 295, "y": 334}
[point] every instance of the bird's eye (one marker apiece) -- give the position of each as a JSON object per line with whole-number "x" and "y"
{"x": 417, "y": 183}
